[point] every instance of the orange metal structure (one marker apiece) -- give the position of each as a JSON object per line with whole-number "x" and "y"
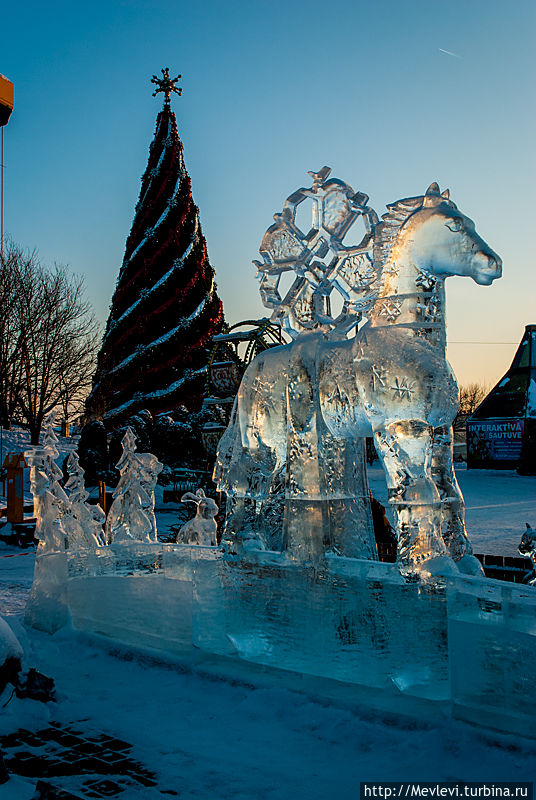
{"x": 15, "y": 464}
{"x": 7, "y": 99}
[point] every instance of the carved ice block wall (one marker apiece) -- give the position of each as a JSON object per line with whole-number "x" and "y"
{"x": 351, "y": 626}
{"x": 353, "y": 621}
{"x": 492, "y": 652}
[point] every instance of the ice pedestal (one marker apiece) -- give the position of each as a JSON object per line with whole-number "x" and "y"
{"x": 137, "y": 593}
{"x": 356, "y": 625}
{"x": 47, "y": 608}
{"x": 492, "y": 652}
{"x": 353, "y": 621}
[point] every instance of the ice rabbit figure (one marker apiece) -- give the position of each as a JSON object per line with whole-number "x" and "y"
{"x": 202, "y": 529}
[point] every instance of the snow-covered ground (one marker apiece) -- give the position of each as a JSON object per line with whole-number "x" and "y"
{"x": 498, "y": 503}
{"x": 211, "y": 738}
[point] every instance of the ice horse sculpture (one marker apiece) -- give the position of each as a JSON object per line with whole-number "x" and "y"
{"x": 391, "y": 381}
{"x": 320, "y": 615}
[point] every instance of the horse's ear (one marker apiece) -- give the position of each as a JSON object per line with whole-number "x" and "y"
{"x": 432, "y": 195}
{"x": 446, "y": 194}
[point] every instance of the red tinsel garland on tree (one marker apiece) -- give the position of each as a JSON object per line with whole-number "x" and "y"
{"x": 165, "y": 309}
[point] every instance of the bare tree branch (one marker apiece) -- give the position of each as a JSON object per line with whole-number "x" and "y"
{"x": 48, "y": 340}
{"x": 471, "y": 396}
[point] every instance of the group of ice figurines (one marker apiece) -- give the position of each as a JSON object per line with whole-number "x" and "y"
{"x": 291, "y": 461}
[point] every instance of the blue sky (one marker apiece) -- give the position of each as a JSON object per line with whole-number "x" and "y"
{"x": 270, "y": 92}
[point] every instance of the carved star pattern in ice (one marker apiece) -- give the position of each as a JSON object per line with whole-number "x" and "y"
{"x": 378, "y": 378}
{"x": 303, "y": 310}
{"x": 392, "y": 271}
{"x": 425, "y": 280}
{"x": 339, "y": 397}
{"x": 391, "y": 309}
{"x": 386, "y": 442}
{"x": 403, "y": 388}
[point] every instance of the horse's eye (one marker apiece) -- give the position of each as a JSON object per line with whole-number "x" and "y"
{"x": 454, "y": 225}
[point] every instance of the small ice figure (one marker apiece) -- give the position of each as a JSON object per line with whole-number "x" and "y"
{"x": 131, "y": 516}
{"x": 50, "y": 501}
{"x": 202, "y": 529}
{"x": 82, "y": 522}
{"x": 527, "y": 547}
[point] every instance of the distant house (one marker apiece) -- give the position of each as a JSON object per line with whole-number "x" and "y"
{"x": 501, "y": 433}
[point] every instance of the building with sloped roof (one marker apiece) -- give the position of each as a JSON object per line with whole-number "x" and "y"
{"x": 501, "y": 433}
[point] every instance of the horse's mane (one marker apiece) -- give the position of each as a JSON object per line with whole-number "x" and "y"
{"x": 386, "y": 231}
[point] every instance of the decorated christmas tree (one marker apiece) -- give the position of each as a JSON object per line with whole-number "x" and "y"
{"x": 165, "y": 309}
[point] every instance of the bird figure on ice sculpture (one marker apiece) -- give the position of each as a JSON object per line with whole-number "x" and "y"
{"x": 391, "y": 381}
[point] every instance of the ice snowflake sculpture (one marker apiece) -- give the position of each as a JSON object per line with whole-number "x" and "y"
{"x": 131, "y": 516}
{"x": 274, "y": 488}
{"x": 304, "y": 407}
{"x": 50, "y": 501}
{"x": 202, "y": 529}
{"x": 320, "y": 261}
{"x": 82, "y": 522}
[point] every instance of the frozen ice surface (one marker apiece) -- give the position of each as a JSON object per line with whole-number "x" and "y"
{"x": 353, "y": 621}
{"x": 138, "y": 593}
{"x": 291, "y": 461}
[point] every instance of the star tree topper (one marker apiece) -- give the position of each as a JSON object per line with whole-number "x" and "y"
{"x": 166, "y": 85}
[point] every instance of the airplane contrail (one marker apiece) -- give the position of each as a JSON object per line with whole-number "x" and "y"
{"x": 449, "y": 53}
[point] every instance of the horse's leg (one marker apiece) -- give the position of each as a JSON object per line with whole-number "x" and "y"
{"x": 306, "y": 525}
{"x": 351, "y": 529}
{"x": 247, "y": 456}
{"x": 341, "y": 451}
{"x": 405, "y": 448}
{"x": 452, "y": 505}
